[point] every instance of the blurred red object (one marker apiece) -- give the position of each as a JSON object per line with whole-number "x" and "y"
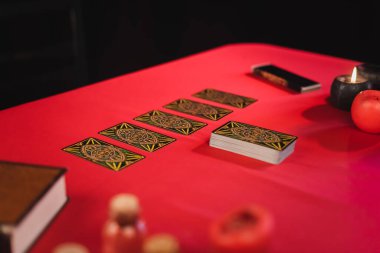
{"x": 246, "y": 229}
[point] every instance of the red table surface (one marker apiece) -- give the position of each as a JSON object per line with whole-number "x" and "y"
{"x": 324, "y": 197}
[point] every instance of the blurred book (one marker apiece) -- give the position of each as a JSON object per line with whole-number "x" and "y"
{"x": 31, "y": 196}
{"x": 284, "y": 78}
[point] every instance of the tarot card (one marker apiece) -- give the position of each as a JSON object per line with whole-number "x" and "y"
{"x": 198, "y": 109}
{"x": 104, "y": 154}
{"x": 255, "y": 135}
{"x": 225, "y": 98}
{"x": 171, "y": 122}
{"x": 137, "y": 136}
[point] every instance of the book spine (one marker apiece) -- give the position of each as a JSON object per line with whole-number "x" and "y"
{"x": 5, "y": 243}
{"x": 275, "y": 79}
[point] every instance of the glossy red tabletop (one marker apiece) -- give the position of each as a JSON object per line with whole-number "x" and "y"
{"x": 324, "y": 197}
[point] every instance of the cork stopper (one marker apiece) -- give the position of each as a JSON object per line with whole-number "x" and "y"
{"x": 161, "y": 243}
{"x": 124, "y": 209}
{"x": 70, "y": 248}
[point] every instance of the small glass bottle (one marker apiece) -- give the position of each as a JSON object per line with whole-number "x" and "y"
{"x": 124, "y": 231}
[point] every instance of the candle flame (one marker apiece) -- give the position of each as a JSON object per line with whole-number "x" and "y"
{"x": 353, "y": 76}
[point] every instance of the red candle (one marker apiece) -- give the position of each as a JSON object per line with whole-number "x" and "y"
{"x": 244, "y": 230}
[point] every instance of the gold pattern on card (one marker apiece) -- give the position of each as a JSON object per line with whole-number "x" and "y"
{"x": 225, "y": 98}
{"x": 137, "y": 136}
{"x": 171, "y": 122}
{"x": 198, "y": 109}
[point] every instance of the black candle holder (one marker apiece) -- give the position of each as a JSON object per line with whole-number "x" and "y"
{"x": 343, "y": 91}
{"x": 370, "y": 72}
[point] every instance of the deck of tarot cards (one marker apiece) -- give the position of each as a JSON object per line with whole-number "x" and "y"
{"x": 253, "y": 141}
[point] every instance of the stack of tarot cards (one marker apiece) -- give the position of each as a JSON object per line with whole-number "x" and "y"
{"x": 253, "y": 141}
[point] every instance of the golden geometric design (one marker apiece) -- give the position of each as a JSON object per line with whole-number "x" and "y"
{"x": 171, "y": 122}
{"x": 256, "y": 135}
{"x": 137, "y": 136}
{"x": 198, "y": 109}
{"x": 225, "y": 98}
{"x": 103, "y": 153}
{"x": 141, "y": 136}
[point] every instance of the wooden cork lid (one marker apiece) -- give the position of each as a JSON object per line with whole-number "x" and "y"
{"x": 161, "y": 243}
{"x": 70, "y": 248}
{"x": 124, "y": 209}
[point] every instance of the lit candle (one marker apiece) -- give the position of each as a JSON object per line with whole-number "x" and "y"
{"x": 353, "y": 76}
{"x": 345, "y": 88}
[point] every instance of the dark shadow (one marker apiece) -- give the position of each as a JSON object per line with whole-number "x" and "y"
{"x": 219, "y": 154}
{"x": 345, "y": 139}
{"x": 370, "y": 160}
{"x": 326, "y": 113}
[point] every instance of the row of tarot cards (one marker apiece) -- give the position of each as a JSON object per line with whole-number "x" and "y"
{"x": 230, "y": 136}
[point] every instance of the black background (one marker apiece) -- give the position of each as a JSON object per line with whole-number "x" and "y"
{"x": 118, "y": 37}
